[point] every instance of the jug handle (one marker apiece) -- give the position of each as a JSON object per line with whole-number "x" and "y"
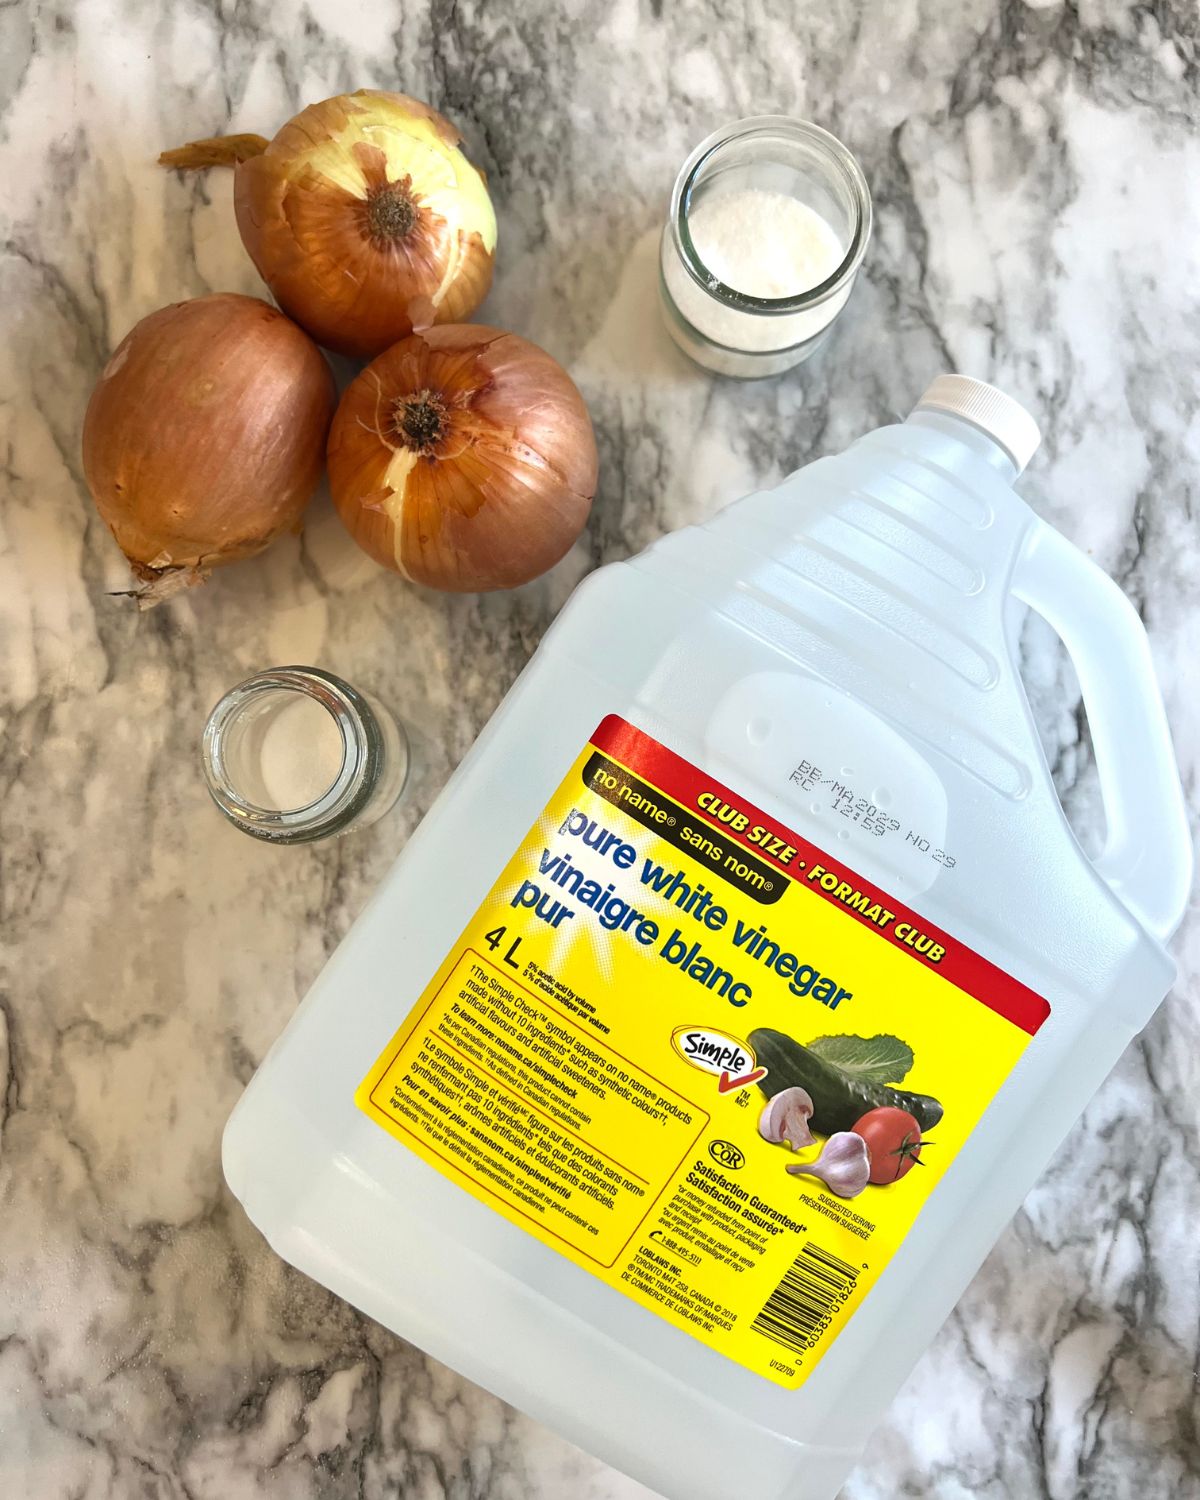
{"x": 1147, "y": 858}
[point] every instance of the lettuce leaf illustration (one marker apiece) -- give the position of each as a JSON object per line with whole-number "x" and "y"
{"x": 874, "y": 1059}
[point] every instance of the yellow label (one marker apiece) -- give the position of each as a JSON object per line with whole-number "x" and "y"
{"x": 667, "y": 1004}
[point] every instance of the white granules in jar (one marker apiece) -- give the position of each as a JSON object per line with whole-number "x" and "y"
{"x": 762, "y": 244}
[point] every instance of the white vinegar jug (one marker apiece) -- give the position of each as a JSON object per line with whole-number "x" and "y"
{"x": 744, "y": 976}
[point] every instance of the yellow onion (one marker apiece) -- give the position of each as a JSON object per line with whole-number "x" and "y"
{"x": 204, "y": 437}
{"x": 363, "y": 216}
{"x": 463, "y": 458}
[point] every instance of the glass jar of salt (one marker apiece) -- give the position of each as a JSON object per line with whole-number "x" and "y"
{"x": 768, "y": 225}
{"x": 294, "y": 754}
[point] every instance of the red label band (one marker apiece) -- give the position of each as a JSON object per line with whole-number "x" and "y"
{"x": 686, "y": 784}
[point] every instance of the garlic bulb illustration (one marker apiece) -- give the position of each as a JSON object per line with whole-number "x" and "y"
{"x": 844, "y": 1165}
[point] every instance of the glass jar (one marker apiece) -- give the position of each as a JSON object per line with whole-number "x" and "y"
{"x": 294, "y": 754}
{"x": 729, "y": 331}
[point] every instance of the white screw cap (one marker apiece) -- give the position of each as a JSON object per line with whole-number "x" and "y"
{"x": 987, "y": 408}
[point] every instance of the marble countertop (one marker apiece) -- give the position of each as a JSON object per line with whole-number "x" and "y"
{"x": 1036, "y": 172}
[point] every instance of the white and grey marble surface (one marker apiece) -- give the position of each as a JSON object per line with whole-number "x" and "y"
{"x": 1036, "y": 172}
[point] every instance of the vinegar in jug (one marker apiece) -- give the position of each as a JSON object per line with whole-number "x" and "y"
{"x": 744, "y": 976}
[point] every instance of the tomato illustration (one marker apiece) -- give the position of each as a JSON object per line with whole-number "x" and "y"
{"x": 893, "y": 1138}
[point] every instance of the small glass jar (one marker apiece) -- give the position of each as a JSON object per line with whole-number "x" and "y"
{"x": 302, "y": 736}
{"x": 729, "y": 331}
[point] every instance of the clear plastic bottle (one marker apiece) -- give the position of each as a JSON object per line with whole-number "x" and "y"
{"x": 862, "y": 617}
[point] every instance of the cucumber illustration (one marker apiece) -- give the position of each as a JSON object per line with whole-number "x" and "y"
{"x": 839, "y": 1101}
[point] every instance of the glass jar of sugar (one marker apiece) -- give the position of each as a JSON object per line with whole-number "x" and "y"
{"x": 768, "y": 225}
{"x": 294, "y": 754}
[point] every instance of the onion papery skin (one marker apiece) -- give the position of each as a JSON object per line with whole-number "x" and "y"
{"x": 204, "y": 437}
{"x": 355, "y": 275}
{"x": 503, "y": 490}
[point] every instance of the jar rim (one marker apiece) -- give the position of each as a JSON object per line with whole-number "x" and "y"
{"x": 840, "y": 159}
{"x": 350, "y": 792}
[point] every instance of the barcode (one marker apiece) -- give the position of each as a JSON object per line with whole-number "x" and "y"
{"x": 803, "y": 1304}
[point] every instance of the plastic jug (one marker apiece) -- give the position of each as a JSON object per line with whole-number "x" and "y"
{"x": 759, "y": 866}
